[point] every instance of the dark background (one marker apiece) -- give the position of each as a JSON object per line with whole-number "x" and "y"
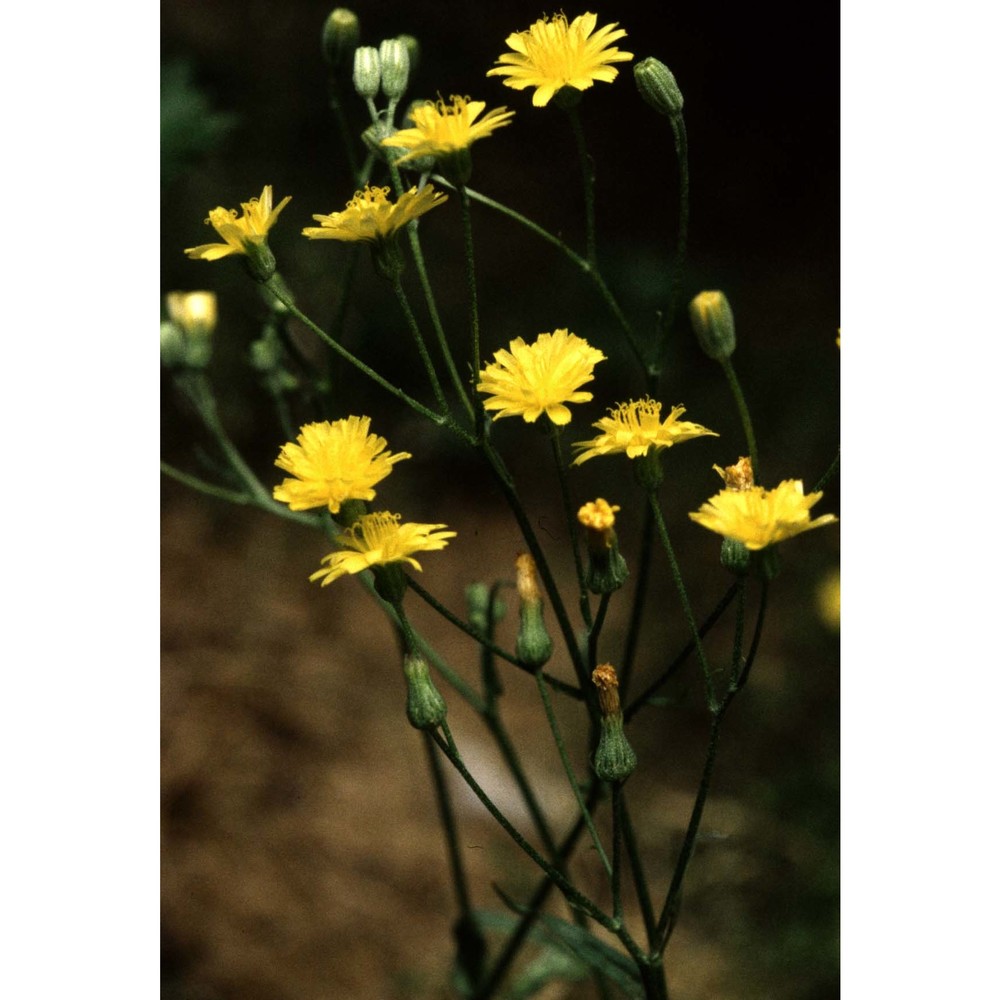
{"x": 266, "y": 875}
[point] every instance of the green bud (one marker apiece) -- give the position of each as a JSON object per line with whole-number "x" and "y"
{"x": 394, "y": 59}
{"x": 712, "y": 319}
{"x": 735, "y": 556}
{"x": 367, "y": 72}
{"x": 259, "y": 260}
{"x": 412, "y": 49}
{"x": 614, "y": 759}
{"x": 534, "y": 645}
{"x": 173, "y": 349}
{"x": 265, "y": 354}
{"x": 425, "y": 708}
{"x": 341, "y": 33}
{"x": 477, "y": 600}
{"x": 606, "y": 571}
{"x": 658, "y": 87}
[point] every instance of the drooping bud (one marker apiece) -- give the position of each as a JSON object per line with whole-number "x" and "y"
{"x": 425, "y": 708}
{"x": 534, "y": 646}
{"x": 606, "y": 568}
{"x": 714, "y": 326}
{"x": 340, "y": 37}
{"x": 394, "y": 60}
{"x": 658, "y": 87}
{"x": 614, "y": 759}
{"x": 367, "y": 72}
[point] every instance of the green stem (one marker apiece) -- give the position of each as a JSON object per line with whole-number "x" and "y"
{"x": 436, "y": 418}
{"x": 581, "y": 262}
{"x": 587, "y": 170}
{"x": 638, "y": 604}
{"x": 685, "y": 602}
{"x": 470, "y": 275}
{"x": 573, "y": 895}
{"x": 347, "y": 137}
{"x": 736, "y": 666}
{"x": 616, "y": 849}
{"x": 639, "y": 876}
{"x": 594, "y": 634}
{"x": 828, "y": 475}
{"x": 741, "y": 405}
{"x": 570, "y": 776}
{"x": 680, "y": 257}
{"x": 744, "y": 676}
{"x": 411, "y": 322}
{"x": 571, "y": 521}
{"x": 241, "y": 499}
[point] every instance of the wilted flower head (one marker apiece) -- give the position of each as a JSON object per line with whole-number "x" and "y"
{"x": 532, "y": 379}
{"x": 332, "y": 463}
{"x": 241, "y": 232}
{"x": 758, "y": 517}
{"x": 554, "y": 53}
{"x": 379, "y": 540}
{"x": 371, "y": 216}
{"x": 634, "y": 428}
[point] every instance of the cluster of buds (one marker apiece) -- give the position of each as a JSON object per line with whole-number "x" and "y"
{"x": 387, "y": 67}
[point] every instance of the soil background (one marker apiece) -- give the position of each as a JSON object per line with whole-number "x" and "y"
{"x": 301, "y": 854}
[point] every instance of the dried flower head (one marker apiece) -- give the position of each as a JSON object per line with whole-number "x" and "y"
{"x": 738, "y": 477}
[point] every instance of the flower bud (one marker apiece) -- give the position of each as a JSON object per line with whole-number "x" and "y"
{"x": 367, "y": 72}
{"x": 658, "y": 87}
{"x": 606, "y": 569}
{"x": 534, "y": 646}
{"x": 394, "y": 59}
{"x": 712, "y": 319}
{"x": 425, "y": 708}
{"x": 735, "y": 556}
{"x": 481, "y": 615}
{"x": 172, "y": 346}
{"x": 412, "y": 49}
{"x": 614, "y": 759}
{"x": 186, "y": 339}
{"x": 341, "y": 33}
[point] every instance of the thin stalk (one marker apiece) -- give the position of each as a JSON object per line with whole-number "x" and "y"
{"x": 639, "y": 876}
{"x": 347, "y": 137}
{"x": 436, "y": 418}
{"x": 595, "y": 632}
{"x": 587, "y": 171}
{"x": 230, "y": 496}
{"x": 679, "y": 659}
{"x": 685, "y": 602}
{"x": 754, "y": 646}
{"x": 638, "y": 604}
{"x": 680, "y": 255}
{"x": 470, "y": 275}
{"x": 828, "y": 475}
{"x": 570, "y": 775}
{"x": 736, "y": 666}
{"x": 571, "y": 522}
{"x": 581, "y": 262}
{"x": 411, "y": 322}
{"x": 562, "y": 686}
{"x": 616, "y": 850}
{"x": 741, "y": 405}
{"x": 573, "y": 895}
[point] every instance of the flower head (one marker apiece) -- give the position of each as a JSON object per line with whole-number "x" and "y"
{"x": 334, "y": 462}
{"x": 532, "y": 379}
{"x": 378, "y": 540}
{"x": 249, "y": 228}
{"x": 554, "y": 53}
{"x": 758, "y": 517}
{"x": 441, "y": 129}
{"x": 196, "y": 313}
{"x": 634, "y": 428}
{"x": 371, "y": 216}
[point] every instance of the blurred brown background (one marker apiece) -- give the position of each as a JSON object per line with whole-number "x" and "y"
{"x": 301, "y": 855}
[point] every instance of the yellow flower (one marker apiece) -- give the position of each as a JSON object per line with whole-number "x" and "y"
{"x": 442, "y": 129}
{"x": 553, "y": 54}
{"x": 251, "y": 227}
{"x": 377, "y": 540}
{"x": 334, "y": 462}
{"x": 758, "y": 517}
{"x": 634, "y": 427}
{"x": 371, "y": 216}
{"x": 532, "y": 379}
{"x": 598, "y": 515}
{"x": 195, "y": 313}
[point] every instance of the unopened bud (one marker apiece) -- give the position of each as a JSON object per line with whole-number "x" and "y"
{"x": 394, "y": 60}
{"x": 606, "y": 568}
{"x": 340, "y": 37}
{"x": 367, "y": 72}
{"x": 658, "y": 87}
{"x": 412, "y": 49}
{"x": 534, "y": 645}
{"x": 614, "y": 759}
{"x": 425, "y": 708}
{"x": 186, "y": 339}
{"x": 714, "y": 326}
{"x": 482, "y": 616}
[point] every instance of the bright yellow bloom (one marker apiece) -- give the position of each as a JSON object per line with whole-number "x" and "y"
{"x": 251, "y": 227}
{"x": 598, "y": 515}
{"x": 371, "y": 216}
{"x": 334, "y": 462}
{"x": 441, "y": 129}
{"x": 758, "y": 517}
{"x": 195, "y": 313}
{"x": 553, "y": 54}
{"x": 634, "y": 427}
{"x": 377, "y": 540}
{"x": 532, "y": 379}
